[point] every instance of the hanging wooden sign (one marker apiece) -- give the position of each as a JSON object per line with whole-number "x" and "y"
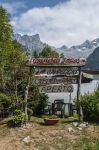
{"x": 56, "y": 62}
{"x": 56, "y": 88}
{"x": 67, "y": 71}
{"x": 55, "y": 80}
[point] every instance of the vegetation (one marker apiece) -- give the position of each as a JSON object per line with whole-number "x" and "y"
{"x": 86, "y": 144}
{"x": 16, "y": 90}
{"x": 48, "y": 53}
{"x": 50, "y": 116}
{"x": 18, "y": 118}
{"x": 90, "y": 105}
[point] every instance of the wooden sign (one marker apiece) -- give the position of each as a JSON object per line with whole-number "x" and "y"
{"x": 56, "y": 62}
{"x": 56, "y": 89}
{"x": 67, "y": 71}
{"x": 55, "y": 80}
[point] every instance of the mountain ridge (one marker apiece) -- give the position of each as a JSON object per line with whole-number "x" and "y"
{"x": 33, "y": 43}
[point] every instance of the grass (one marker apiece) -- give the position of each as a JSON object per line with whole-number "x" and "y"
{"x": 86, "y": 144}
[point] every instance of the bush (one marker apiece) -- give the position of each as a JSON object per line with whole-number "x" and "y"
{"x": 90, "y": 106}
{"x": 42, "y": 103}
{"x": 7, "y": 103}
{"x": 18, "y": 117}
{"x": 66, "y": 115}
{"x": 75, "y": 115}
{"x": 37, "y": 101}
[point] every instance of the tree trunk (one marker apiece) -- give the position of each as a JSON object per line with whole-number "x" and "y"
{"x": 27, "y": 92}
{"x": 16, "y": 91}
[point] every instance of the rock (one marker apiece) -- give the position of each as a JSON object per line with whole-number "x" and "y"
{"x": 27, "y": 140}
{"x": 79, "y": 128}
{"x": 70, "y": 129}
{"x": 75, "y": 124}
{"x": 83, "y": 125}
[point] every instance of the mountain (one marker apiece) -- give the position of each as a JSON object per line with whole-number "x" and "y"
{"x": 93, "y": 60}
{"x": 33, "y": 43}
{"x": 83, "y": 50}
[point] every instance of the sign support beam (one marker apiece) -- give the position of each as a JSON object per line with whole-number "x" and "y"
{"x": 79, "y": 108}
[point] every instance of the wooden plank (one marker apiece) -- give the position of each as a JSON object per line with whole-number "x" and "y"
{"x": 56, "y": 62}
{"x": 56, "y": 89}
{"x": 54, "y": 80}
{"x": 67, "y": 71}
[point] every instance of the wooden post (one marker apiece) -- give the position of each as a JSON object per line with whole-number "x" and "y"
{"x": 79, "y": 108}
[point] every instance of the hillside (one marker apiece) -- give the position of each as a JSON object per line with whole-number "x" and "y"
{"x": 93, "y": 60}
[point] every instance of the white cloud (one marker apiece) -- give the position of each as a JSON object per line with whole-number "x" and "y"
{"x": 68, "y": 23}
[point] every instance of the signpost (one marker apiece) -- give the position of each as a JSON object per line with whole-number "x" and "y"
{"x": 56, "y": 88}
{"x": 52, "y": 72}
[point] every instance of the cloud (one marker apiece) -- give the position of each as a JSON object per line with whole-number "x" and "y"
{"x": 67, "y": 23}
{"x": 13, "y": 8}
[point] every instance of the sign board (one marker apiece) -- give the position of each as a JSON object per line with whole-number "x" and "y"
{"x": 67, "y": 71}
{"x": 56, "y": 62}
{"x": 56, "y": 88}
{"x": 55, "y": 80}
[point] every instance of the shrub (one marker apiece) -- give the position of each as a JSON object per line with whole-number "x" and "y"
{"x": 90, "y": 106}
{"x": 75, "y": 115}
{"x": 66, "y": 115}
{"x": 37, "y": 101}
{"x": 42, "y": 103}
{"x": 18, "y": 117}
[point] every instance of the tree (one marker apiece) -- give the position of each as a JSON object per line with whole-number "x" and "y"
{"x": 5, "y": 42}
{"x": 15, "y": 75}
{"x": 49, "y": 53}
{"x": 62, "y": 55}
{"x": 35, "y": 54}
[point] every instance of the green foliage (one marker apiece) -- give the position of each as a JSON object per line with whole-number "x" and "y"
{"x": 69, "y": 120}
{"x": 62, "y": 55}
{"x": 49, "y": 53}
{"x": 18, "y": 117}
{"x": 42, "y": 103}
{"x": 5, "y": 26}
{"x": 35, "y": 54}
{"x": 66, "y": 115}
{"x": 37, "y": 101}
{"x": 7, "y": 104}
{"x": 49, "y": 116}
{"x": 75, "y": 115}
{"x": 15, "y": 75}
{"x": 90, "y": 105}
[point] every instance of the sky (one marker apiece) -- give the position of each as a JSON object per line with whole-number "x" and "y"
{"x": 58, "y": 22}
